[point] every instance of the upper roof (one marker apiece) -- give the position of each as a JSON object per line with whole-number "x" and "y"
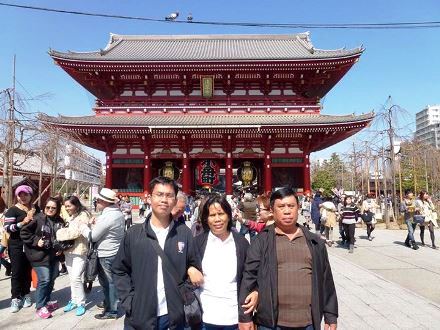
{"x": 138, "y": 48}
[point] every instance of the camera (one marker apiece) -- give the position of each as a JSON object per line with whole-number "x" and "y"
{"x": 47, "y": 244}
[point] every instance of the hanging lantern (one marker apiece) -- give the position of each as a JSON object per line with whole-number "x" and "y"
{"x": 208, "y": 173}
{"x": 247, "y": 173}
{"x": 169, "y": 170}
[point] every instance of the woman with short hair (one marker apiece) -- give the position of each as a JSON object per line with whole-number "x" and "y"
{"x": 223, "y": 254}
{"x": 349, "y": 217}
{"x": 39, "y": 238}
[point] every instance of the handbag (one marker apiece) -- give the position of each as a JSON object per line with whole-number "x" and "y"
{"x": 92, "y": 261}
{"x": 367, "y": 217}
{"x": 192, "y": 305}
{"x": 62, "y": 245}
{"x": 418, "y": 218}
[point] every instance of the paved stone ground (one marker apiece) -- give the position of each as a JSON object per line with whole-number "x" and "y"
{"x": 383, "y": 285}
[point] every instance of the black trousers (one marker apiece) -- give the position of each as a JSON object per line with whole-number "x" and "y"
{"x": 21, "y": 270}
{"x": 128, "y": 222}
{"x": 342, "y": 232}
{"x": 349, "y": 232}
{"x": 370, "y": 228}
{"x": 431, "y": 233}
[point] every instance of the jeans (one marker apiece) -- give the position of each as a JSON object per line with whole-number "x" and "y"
{"x": 163, "y": 323}
{"x": 75, "y": 267}
{"x": 105, "y": 278}
{"x": 207, "y": 326}
{"x": 411, "y": 227}
{"x": 308, "y": 327}
{"x": 46, "y": 279}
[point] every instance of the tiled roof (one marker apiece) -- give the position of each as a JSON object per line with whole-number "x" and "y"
{"x": 28, "y": 163}
{"x": 207, "y": 48}
{"x": 200, "y": 121}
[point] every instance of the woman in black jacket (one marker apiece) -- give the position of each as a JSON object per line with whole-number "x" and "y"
{"x": 223, "y": 254}
{"x": 38, "y": 237}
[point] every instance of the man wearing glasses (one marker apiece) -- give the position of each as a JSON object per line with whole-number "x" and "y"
{"x": 148, "y": 292}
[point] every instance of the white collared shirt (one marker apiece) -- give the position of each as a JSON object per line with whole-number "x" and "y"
{"x": 219, "y": 293}
{"x": 161, "y": 234}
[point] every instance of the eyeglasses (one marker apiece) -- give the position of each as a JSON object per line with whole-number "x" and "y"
{"x": 50, "y": 207}
{"x": 162, "y": 195}
{"x": 259, "y": 209}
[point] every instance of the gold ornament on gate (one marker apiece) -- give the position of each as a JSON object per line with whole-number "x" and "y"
{"x": 168, "y": 170}
{"x": 247, "y": 174}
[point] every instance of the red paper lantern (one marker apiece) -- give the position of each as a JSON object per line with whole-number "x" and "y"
{"x": 208, "y": 173}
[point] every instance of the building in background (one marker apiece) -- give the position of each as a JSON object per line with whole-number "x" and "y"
{"x": 427, "y": 125}
{"x": 194, "y": 107}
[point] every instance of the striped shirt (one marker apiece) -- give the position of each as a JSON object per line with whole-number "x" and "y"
{"x": 350, "y": 213}
{"x": 13, "y": 216}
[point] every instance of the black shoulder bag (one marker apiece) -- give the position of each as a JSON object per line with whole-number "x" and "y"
{"x": 62, "y": 245}
{"x": 192, "y": 305}
{"x": 91, "y": 267}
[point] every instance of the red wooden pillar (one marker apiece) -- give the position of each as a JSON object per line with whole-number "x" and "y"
{"x": 147, "y": 172}
{"x": 186, "y": 178}
{"x": 267, "y": 173}
{"x": 108, "y": 170}
{"x": 228, "y": 174}
{"x": 306, "y": 173}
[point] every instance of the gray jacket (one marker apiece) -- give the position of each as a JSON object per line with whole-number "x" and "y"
{"x": 108, "y": 231}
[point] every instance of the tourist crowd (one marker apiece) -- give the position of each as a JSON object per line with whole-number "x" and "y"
{"x": 250, "y": 261}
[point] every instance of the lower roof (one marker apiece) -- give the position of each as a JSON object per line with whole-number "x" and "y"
{"x": 191, "y": 121}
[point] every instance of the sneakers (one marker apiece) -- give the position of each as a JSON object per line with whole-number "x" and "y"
{"x": 100, "y": 305}
{"x": 52, "y": 306}
{"x": 80, "y": 310}
{"x": 27, "y": 301}
{"x": 15, "y": 305}
{"x": 106, "y": 316}
{"x": 370, "y": 238}
{"x": 70, "y": 306}
{"x": 351, "y": 248}
{"x": 44, "y": 313}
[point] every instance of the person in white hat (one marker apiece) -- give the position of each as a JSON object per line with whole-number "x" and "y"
{"x": 107, "y": 233}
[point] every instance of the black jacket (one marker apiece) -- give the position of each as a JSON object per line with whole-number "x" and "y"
{"x": 31, "y": 234}
{"x": 135, "y": 274}
{"x": 261, "y": 273}
{"x": 241, "y": 247}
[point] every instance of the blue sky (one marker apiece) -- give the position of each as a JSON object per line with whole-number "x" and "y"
{"x": 401, "y": 63}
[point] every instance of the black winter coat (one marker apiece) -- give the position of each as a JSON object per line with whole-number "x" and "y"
{"x": 135, "y": 274}
{"x": 241, "y": 247}
{"x": 261, "y": 274}
{"x": 31, "y": 234}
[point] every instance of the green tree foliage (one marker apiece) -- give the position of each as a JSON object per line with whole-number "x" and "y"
{"x": 331, "y": 173}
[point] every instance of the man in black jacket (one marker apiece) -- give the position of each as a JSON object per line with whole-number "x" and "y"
{"x": 148, "y": 292}
{"x": 289, "y": 268}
